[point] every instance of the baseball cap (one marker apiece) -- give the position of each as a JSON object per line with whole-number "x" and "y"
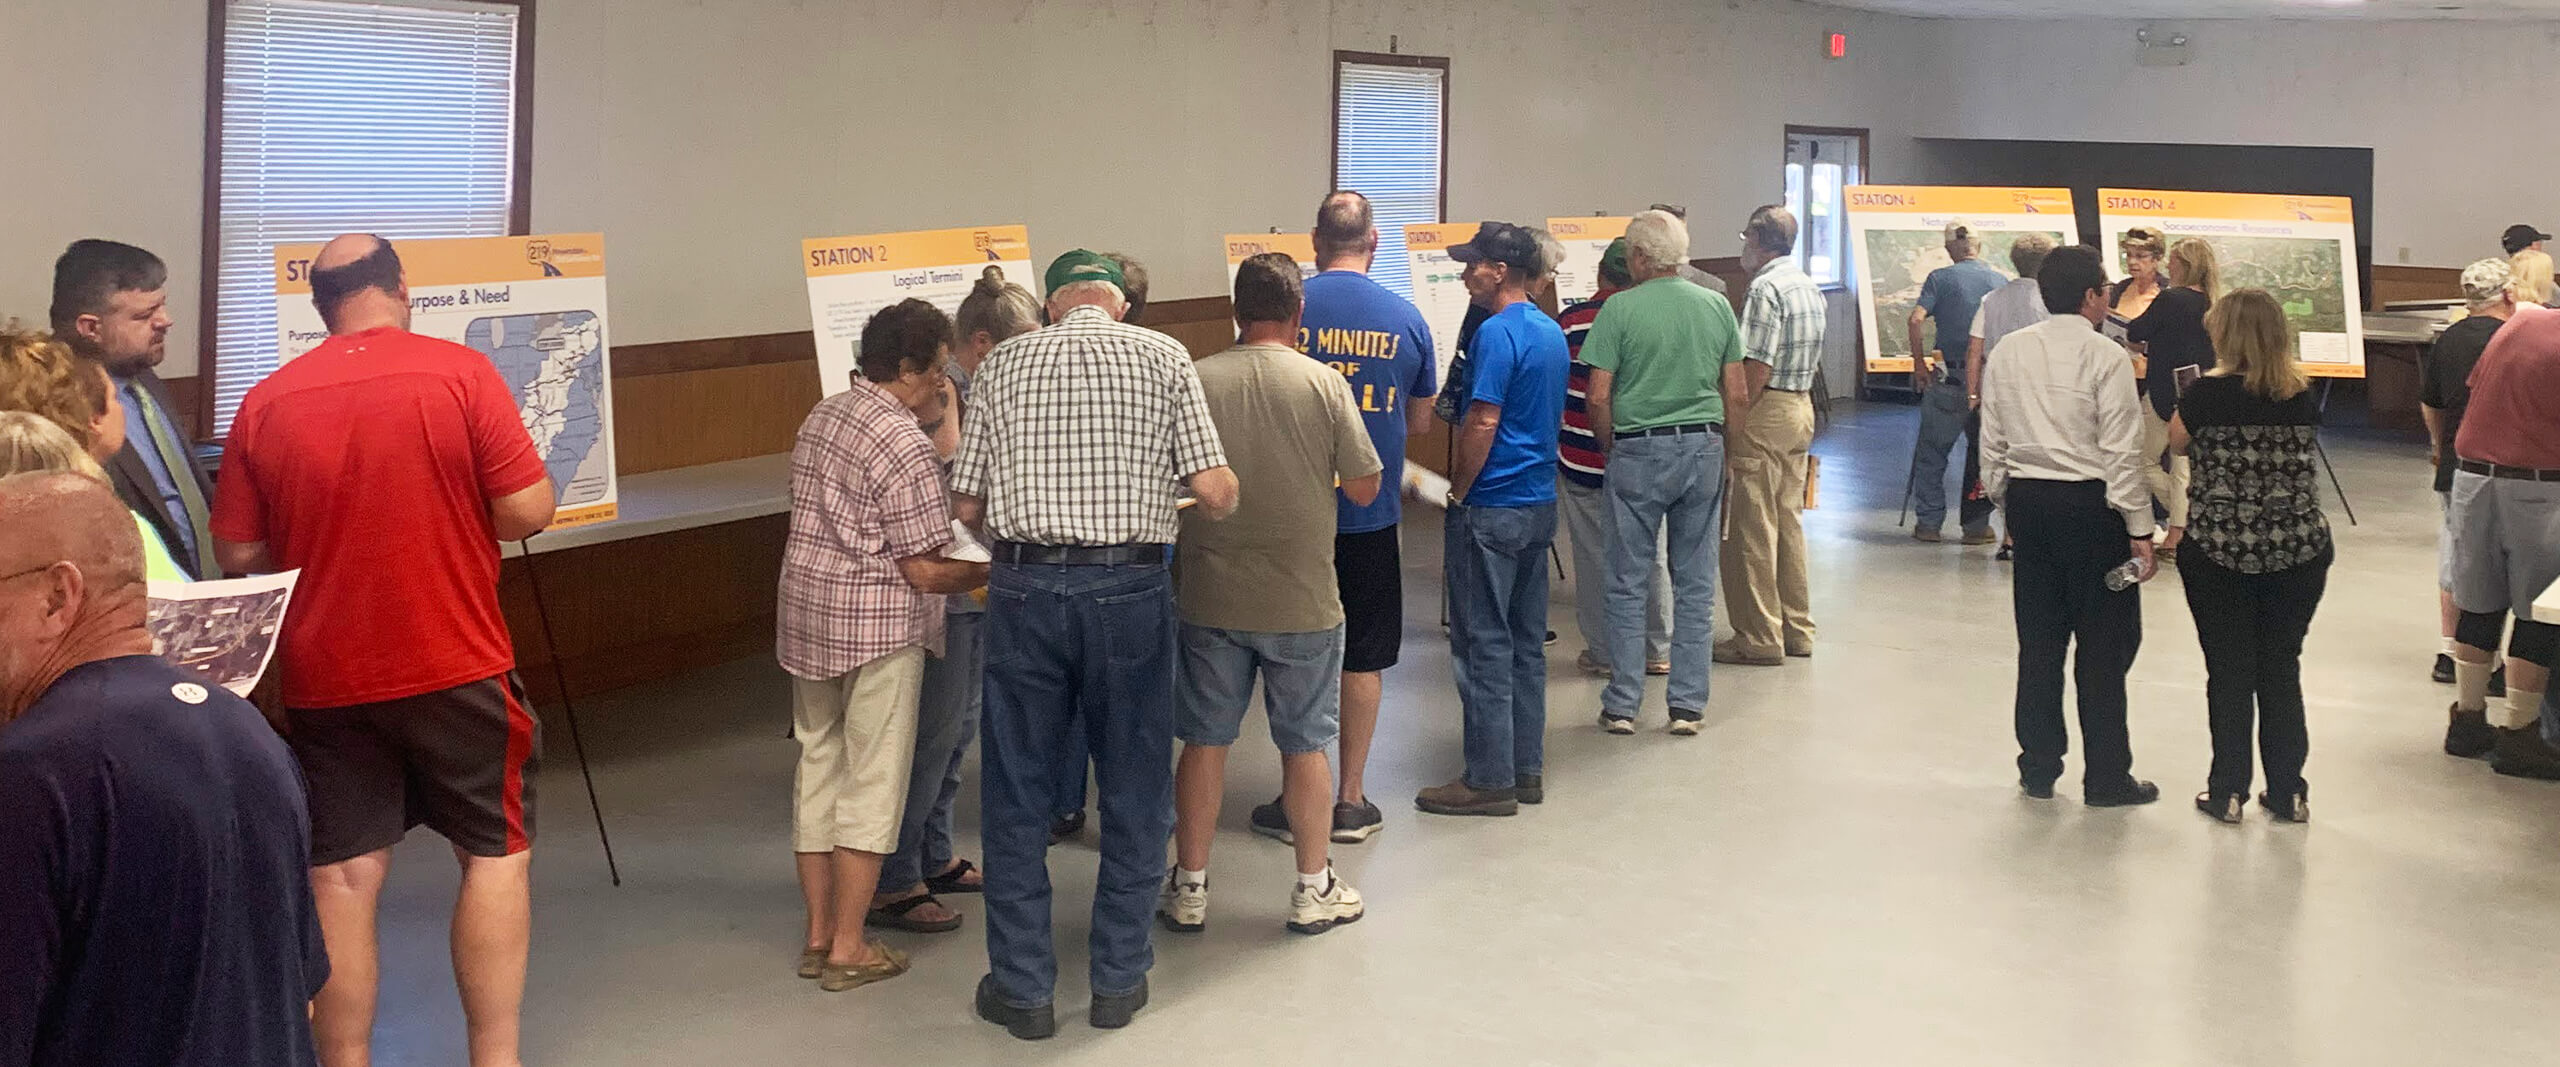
{"x": 1959, "y": 230}
{"x": 1499, "y": 242}
{"x": 1613, "y": 259}
{"x": 2520, "y": 236}
{"x": 1083, "y": 265}
{"x": 2486, "y": 280}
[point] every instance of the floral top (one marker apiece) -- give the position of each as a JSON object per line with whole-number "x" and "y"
{"x": 2254, "y": 503}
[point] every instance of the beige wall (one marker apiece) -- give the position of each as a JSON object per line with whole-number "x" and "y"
{"x": 706, "y": 139}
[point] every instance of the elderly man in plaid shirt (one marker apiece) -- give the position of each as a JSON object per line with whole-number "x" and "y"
{"x": 1765, "y": 592}
{"x": 1077, "y": 438}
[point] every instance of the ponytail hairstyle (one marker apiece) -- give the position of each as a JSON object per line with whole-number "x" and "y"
{"x": 1000, "y": 308}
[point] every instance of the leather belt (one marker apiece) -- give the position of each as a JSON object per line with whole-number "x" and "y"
{"x": 1015, "y": 552}
{"x": 2521, "y": 474}
{"x": 1673, "y": 431}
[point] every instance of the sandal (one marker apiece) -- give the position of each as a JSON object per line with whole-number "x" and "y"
{"x": 813, "y": 961}
{"x": 893, "y": 916}
{"x": 843, "y": 976}
{"x": 2224, "y": 807}
{"x": 950, "y": 881}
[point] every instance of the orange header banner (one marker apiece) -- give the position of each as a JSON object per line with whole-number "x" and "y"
{"x": 1589, "y": 227}
{"x": 467, "y": 260}
{"x": 1438, "y": 236}
{"x": 1955, "y": 200}
{"x": 1243, "y": 246}
{"x": 864, "y": 253}
{"x": 2261, "y": 207}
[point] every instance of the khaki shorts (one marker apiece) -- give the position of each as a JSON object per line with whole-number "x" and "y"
{"x": 857, "y": 734}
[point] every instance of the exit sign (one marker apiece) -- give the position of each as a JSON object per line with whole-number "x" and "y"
{"x": 1836, "y": 46}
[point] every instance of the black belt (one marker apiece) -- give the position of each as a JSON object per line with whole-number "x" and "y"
{"x": 2521, "y": 474}
{"x": 1672, "y": 431}
{"x": 1016, "y": 552}
{"x": 1775, "y": 389}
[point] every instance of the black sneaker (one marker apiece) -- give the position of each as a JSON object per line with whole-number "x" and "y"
{"x": 1029, "y": 1024}
{"x": 1551, "y": 637}
{"x": 1532, "y": 788}
{"x": 2522, "y": 753}
{"x": 1112, "y": 1013}
{"x": 2469, "y": 734}
{"x": 2444, "y": 669}
{"x": 2040, "y": 790}
{"x": 2132, "y": 793}
{"x": 1272, "y": 821}
{"x": 1355, "y": 823}
{"x": 1066, "y": 826}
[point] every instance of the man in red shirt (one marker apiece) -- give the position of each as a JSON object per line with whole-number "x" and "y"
{"x": 387, "y": 466}
{"x": 2506, "y": 544}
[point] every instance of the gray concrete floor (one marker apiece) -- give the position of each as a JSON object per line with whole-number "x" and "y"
{"x": 1839, "y": 871}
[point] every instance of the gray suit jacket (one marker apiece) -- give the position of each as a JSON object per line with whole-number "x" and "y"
{"x": 134, "y": 485}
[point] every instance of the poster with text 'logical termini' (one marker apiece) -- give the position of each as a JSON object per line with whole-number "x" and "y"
{"x": 2300, "y": 249}
{"x": 1436, "y": 288}
{"x": 1899, "y": 232}
{"x": 533, "y": 305}
{"x": 852, "y": 277}
{"x": 1583, "y": 239}
{"x": 1244, "y": 246}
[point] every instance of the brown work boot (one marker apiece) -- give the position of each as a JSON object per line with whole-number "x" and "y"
{"x": 1459, "y": 798}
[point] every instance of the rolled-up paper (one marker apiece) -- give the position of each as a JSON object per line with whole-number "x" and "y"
{"x": 1424, "y": 486}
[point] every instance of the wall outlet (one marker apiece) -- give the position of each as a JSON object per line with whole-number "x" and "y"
{"x": 2160, "y": 45}
{"x": 2404, "y": 253}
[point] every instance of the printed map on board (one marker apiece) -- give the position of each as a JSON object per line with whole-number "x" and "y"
{"x": 554, "y": 364}
{"x": 2302, "y": 273}
{"x": 1899, "y": 261}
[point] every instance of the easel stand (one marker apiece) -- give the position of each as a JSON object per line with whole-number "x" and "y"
{"x": 2325, "y": 385}
{"x": 568, "y": 709}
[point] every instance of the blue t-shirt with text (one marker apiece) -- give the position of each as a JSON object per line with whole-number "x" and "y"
{"x": 1381, "y": 345}
{"x": 1520, "y": 364}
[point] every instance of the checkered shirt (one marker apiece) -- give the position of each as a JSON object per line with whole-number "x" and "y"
{"x": 1782, "y": 324}
{"x": 866, "y": 492}
{"x": 1080, "y": 433}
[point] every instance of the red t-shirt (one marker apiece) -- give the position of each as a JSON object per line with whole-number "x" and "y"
{"x": 2513, "y": 419}
{"x": 370, "y": 464}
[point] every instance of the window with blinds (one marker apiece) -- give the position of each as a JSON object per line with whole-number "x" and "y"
{"x": 395, "y": 117}
{"x": 1389, "y": 133}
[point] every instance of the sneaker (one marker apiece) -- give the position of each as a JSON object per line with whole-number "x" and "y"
{"x": 1803, "y": 651}
{"x": 1617, "y": 725}
{"x": 1928, "y": 535}
{"x": 1183, "y": 909}
{"x": 1066, "y": 826}
{"x": 1551, "y": 637}
{"x": 2006, "y": 554}
{"x": 1459, "y": 798}
{"x": 1311, "y": 912}
{"x": 1729, "y": 652}
{"x": 2443, "y": 673}
{"x": 1657, "y": 667}
{"x": 1592, "y": 664}
{"x": 1531, "y": 788}
{"x": 1686, "y": 723}
{"x": 2468, "y": 734}
{"x": 2522, "y": 753}
{"x": 1272, "y": 821}
{"x": 1980, "y": 537}
{"x": 1355, "y": 823}
{"x": 2132, "y": 793}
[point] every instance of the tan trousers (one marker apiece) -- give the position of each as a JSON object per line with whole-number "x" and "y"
{"x": 2169, "y": 485}
{"x": 857, "y": 736}
{"x": 1767, "y": 597}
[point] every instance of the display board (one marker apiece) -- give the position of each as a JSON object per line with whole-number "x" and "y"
{"x": 1899, "y": 233}
{"x": 850, "y": 278}
{"x": 1244, "y": 246}
{"x": 2300, "y": 249}
{"x": 535, "y": 306}
{"x": 1583, "y": 238}
{"x": 1437, "y": 291}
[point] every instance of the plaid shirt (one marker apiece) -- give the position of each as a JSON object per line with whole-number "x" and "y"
{"x": 1782, "y": 324}
{"x": 1080, "y": 433}
{"x": 866, "y": 492}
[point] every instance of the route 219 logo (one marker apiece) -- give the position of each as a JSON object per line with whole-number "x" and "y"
{"x": 538, "y": 253}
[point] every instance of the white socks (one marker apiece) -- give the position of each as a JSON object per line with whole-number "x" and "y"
{"x": 2471, "y": 684}
{"x": 2448, "y": 646}
{"x": 1193, "y": 879}
{"x": 2524, "y": 707}
{"x": 1322, "y": 880}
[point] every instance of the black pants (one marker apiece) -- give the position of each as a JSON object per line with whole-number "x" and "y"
{"x": 2067, "y": 539}
{"x": 2251, "y": 627}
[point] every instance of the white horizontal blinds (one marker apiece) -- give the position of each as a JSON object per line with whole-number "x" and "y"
{"x": 395, "y": 118}
{"x": 1387, "y": 146}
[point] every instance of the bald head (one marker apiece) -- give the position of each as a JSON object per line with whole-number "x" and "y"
{"x": 1345, "y": 231}
{"x": 58, "y": 515}
{"x": 357, "y": 284}
{"x": 71, "y": 582}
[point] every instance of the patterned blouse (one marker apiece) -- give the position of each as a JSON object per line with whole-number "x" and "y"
{"x": 2254, "y": 503}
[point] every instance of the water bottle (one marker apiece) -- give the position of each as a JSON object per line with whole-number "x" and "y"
{"x": 2125, "y": 576}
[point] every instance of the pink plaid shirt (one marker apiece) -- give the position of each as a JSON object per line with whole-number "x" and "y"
{"x": 866, "y": 491}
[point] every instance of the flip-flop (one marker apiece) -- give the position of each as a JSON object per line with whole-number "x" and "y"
{"x": 893, "y": 916}
{"x": 950, "y": 881}
{"x": 840, "y": 977}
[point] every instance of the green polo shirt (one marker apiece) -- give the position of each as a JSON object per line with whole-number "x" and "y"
{"x": 1667, "y": 342}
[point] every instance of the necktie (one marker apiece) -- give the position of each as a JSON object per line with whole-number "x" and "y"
{"x": 182, "y": 470}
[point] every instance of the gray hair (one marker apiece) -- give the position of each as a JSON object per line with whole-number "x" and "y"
{"x": 1087, "y": 292}
{"x": 1550, "y": 254}
{"x": 1657, "y": 239}
{"x": 999, "y": 308}
{"x": 2028, "y": 251}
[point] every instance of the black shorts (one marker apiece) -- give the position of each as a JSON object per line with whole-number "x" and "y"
{"x": 458, "y": 761}
{"x": 1370, "y": 568}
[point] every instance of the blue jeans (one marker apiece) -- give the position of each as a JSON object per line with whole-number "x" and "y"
{"x": 1945, "y": 416}
{"x": 1665, "y": 489}
{"x": 946, "y": 717}
{"x": 1497, "y": 561}
{"x": 1095, "y": 644}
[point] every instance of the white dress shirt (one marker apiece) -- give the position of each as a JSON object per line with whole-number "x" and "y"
{"x": 2059, "y": 403}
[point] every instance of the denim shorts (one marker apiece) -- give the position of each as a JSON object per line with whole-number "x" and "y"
{"x": 1301, "y": 686}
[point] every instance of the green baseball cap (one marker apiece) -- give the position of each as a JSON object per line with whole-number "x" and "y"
{"x": 1083, "y": 265}
{"x": 1613, "y": 260}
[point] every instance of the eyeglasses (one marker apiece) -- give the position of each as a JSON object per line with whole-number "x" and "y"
{"x": 26, "y": 572}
